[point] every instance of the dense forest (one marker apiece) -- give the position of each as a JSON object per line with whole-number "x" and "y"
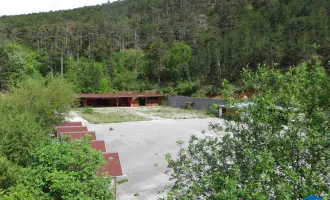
{"x": 186, "y": 47}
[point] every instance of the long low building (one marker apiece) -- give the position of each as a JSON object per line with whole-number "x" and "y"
{"x": 120, "y": 100}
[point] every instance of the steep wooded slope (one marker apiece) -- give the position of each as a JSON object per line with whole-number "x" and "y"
{"x": 224, "y": 36}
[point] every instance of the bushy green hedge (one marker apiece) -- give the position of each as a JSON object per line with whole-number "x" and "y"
{"x": 213, "y": 110}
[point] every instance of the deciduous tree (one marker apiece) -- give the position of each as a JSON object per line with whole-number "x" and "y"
{"x": 275, "y": 147}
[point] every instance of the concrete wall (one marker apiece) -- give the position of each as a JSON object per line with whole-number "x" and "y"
{"x": 198, "y": 103}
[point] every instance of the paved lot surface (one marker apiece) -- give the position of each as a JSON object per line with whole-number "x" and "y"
{"x": 142, "y": 147}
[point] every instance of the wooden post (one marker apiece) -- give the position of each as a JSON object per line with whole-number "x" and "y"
{"x": 117, "y": 101}
{"x": 146, "y": 101}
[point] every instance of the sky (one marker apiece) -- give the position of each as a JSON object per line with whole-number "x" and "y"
{"x": 15, "y": 7}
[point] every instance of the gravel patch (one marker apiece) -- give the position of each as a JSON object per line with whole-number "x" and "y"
{"x": 74, "y": 117}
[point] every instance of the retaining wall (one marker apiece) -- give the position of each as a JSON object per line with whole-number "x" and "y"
{"x": 198, "y": 103}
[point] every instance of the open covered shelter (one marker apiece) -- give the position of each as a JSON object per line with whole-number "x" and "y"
{"x": 120, "y": 100}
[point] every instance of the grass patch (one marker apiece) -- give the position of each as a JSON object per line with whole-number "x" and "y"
{"x": 136, "y": 194}
{"x": 88, "y": 110}
{"x": 111, "y": 129}
{"x": 125, "y": 180}
{"x": 99, "y": 117}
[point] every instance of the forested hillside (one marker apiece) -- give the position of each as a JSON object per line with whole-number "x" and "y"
{"x": 174, "y": 46}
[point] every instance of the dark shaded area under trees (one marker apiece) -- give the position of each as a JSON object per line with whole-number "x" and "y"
{"x": 175, "y": 46}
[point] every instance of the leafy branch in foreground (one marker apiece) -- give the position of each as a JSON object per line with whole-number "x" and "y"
{"x": 66, "y": 170}
{"x": 33, "y": 165}
{"x": 276, "y": 147}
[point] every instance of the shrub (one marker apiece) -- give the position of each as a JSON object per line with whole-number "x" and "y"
{"x": 88, "y": 110}
{"x": 257, "y": 156}
{"x": 48, "y": 99}
{"x": 125, "y": 180}
{"x": 200, "y": 93}
{"x": 187, "y": 88}
{"x": 167, "y": 90}
{"x": 65, "y": 170}
{"x": 213, "y": 110}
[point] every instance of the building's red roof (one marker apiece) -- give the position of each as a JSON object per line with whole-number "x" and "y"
{"x": 118, "y": 95}
{"x": 79, "y": 135}
{"x": 113, "y": 167}
{"x": 98, "y": 145}
{"x": 70, "y": 124}
{"x": 64, "y": 129}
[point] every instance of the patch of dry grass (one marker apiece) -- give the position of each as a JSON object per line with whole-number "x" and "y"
{"x": 99, "y": 116}
{"x": 172, "y": 113}
{"x": 128, "y": 114}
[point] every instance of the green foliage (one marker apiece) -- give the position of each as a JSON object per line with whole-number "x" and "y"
{"x": 179, "y": 58}
{"x": 20, "y": 134}
{"x": 136, "y": 194}
{"x": 182, "y": 40}
{"x": 158, "y": 55}
{"x": 213, "y": 110}
{"x": 122, "y": 181}
{"x": 88, "y": 110}
{"x": 227, "y": 90}
{"x": 88, "y": 76}
{"x": 9, "y": 173}
{"x": 206, "y": 90}
{"x": 49, "y": 99}
{"x": 17, "y": 63}
{"x": 66, "y": 170}
{"x": 32, "y": 166}
{"x": 128, "y": 68}
{"x": 187, "y": 87}
{"x": 170, "y": 90}
{"x": 29, "y": 113}
{"x": 257, "y": 156}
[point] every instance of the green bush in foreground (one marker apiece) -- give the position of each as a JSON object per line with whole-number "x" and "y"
{"x": 32, "y": 164}
{"x": 257, "y": 156}
{"x": 29, "y": 113}
{"x": 66, "y": 170}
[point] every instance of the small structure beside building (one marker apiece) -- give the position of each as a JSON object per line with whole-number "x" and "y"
{"x": 120, "y": 100}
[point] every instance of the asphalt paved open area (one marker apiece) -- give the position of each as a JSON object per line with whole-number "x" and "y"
{"x": 142, "y": 147}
